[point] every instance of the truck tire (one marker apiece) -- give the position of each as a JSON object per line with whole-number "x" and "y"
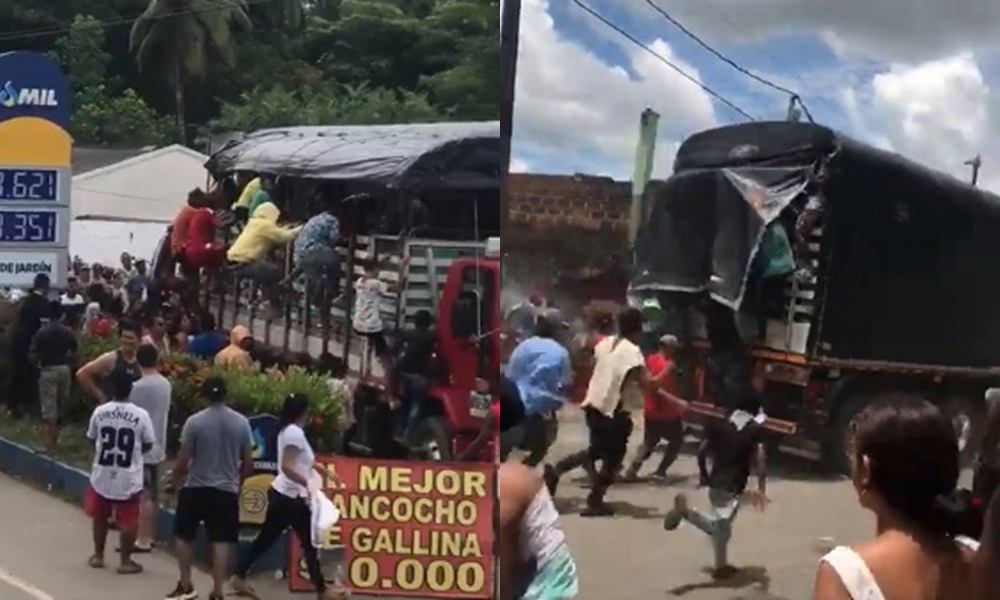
{"x": 969, "y": 419}
{"x": 837, "y": 451}
{"x": 433, "y": 437}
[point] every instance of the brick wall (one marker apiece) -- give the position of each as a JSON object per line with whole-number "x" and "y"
{"x": 563, "y": 230}
{"x": 582, "y": 203}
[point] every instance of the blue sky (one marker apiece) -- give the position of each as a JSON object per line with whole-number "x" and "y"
{"x": 875, "y": 76}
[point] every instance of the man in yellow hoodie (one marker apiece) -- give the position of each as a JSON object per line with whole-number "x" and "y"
{"x": 237, "y": 353}
{"x": 249, "y": 253}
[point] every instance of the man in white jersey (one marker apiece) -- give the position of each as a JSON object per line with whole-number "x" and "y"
{"x": 122, "y": 433}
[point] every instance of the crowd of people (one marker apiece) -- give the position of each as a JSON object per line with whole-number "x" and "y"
{"x": 156, "y": 315}
{"x": 216, "y": 455}
{"x": 128, "y": 425}
{"x": 933, "y": 540}
{"x": 128, "y": 304}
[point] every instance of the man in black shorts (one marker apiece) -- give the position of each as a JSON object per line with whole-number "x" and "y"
{"x": 214, "y": 459}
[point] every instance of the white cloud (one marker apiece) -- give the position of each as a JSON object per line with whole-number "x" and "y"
{"x": 912, "y": 30}
{"x": 574, "y": 109}
{"x": 937, "y": 112}
{"x": 909, "y": 80}
{"x": 519, "y": 166}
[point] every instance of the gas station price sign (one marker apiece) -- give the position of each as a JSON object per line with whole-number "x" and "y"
{"x": 29, "y": 185}
{"x": 35, "y": 169}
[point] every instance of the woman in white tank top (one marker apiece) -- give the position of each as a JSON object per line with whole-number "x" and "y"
{"x": 535, "y": 562}
{"x": 906, "y": 470}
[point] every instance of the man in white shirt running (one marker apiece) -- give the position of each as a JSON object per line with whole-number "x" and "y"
{"x": 619, "y": 370}
{"x": 122, "y": 433}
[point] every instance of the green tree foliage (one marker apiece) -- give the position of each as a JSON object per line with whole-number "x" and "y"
{"x": 246, "y": 64}
{"x": 104, "y": 112}
{"x": 325, "y": 105}
{"x": 180, "y": 38}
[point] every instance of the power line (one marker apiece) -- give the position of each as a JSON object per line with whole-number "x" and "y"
{"x": 708, "y": 90}
{"x": 50, "y": 31}
{"x": 732, "y": 63}
{"x": 773, "y": 58}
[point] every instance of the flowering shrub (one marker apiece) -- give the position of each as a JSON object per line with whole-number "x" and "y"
{"x": 251, "y": 391}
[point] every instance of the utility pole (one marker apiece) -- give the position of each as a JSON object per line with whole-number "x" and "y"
{"x": 510, "y": 26}
{"x": 976, "y": 164}
{"x": 649, "y": 124}
{"x": 794, "y": 115}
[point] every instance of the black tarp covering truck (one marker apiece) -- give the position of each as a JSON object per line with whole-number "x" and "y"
{"x": 843, "y": 271}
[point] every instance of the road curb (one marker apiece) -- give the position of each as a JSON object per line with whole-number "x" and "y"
{"x": 71, "y": 483}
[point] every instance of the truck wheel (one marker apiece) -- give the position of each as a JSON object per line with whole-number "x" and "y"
{"x": 838, "y": 455}
{"x": 969, "y": 418}
{"x": 433, "y": 438}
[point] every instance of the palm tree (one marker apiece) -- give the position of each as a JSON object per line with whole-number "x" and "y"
{"x": 182, "y": 37}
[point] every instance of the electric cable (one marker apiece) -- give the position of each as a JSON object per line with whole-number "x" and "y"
{"x": 621, "y": 31}
{"x": 796, "y": 98}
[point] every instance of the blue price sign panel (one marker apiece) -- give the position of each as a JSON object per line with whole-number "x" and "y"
{"x": 29, "y": 185}
{"x": 34, "y": 226}
{"x": 35, "y": 169}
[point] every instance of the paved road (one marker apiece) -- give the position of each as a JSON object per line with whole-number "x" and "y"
{"x": 630, "y": 557}
{"x": 44, "y": 549}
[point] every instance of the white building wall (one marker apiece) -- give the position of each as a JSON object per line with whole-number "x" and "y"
{"x": 150, "y": 187}
{"x": 103, "y": 242}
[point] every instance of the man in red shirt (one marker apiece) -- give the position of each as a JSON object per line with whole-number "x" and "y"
{"x": 200, "y": 249}
{"x": 182, "y": 223}
{"x": 664, "y": 414}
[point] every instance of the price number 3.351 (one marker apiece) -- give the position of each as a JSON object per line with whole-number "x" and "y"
{"x": 27, "y": 226}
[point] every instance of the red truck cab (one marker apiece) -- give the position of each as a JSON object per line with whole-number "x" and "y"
{"x": 469, "y": 350}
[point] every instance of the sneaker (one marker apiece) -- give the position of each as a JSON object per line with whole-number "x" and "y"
{"x": 182, "y": 593}
{"x": 597, "y": 509}
{"x": 551, "y": 477}
{"x": 673, "y": 518}
{"x": 659, "y": 476}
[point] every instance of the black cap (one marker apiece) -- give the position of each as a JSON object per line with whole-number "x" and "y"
{"x": 42, "y": 283}
{"x": 121, "y": 385}
{"x": 214, "y": 389}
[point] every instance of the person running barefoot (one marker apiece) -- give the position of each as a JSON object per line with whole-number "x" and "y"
{"x": 122, "y": 433}
{"x": 736, "y": 446}
{"x": 535, "y": 562}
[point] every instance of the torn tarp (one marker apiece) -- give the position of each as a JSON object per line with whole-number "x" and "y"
{"x": 426, "y": 156}
{"x": 705, "y": 229}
